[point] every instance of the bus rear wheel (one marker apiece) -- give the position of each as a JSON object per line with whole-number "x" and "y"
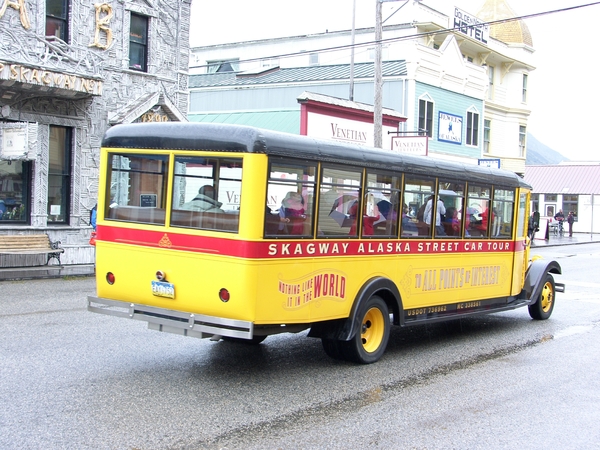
{"x": 370, "y": 341}
{"x": 542, "y": 308}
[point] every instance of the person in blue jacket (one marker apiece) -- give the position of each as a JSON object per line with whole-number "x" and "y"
{"x": 93, "y": 213}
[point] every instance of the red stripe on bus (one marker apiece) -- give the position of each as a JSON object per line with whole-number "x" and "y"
{"x": 299, "y": 248}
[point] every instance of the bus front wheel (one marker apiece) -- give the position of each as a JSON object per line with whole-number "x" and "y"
{"x": 542, "y": 308}
{"x": 370, "y": 341}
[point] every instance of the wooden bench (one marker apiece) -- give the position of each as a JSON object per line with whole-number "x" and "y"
{"x": 30, "y": 244}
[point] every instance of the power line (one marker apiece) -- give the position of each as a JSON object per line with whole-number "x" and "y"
{"x": 407, "y": 37}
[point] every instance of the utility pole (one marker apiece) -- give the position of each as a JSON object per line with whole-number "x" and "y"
{"x": 377, "y": 103}
{"x": 351, "y": 96}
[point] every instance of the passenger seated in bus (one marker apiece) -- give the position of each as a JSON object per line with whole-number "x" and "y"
{"x": 440, "y": 210}
{"x": 408, "y": 226}
{"x": 291, "y": 214}
{"x": 451, "y": 222}
{"x": 271, "y": 221}
{"x": 387, "y": 211}
{"x": 479, "y": 228}
{"x": 205, "y": 201}
{"x": 387, "y": 218}
{"x": 422, "y": 227}
{"x": 368, "y": 221}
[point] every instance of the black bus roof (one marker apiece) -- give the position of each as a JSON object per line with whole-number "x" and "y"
{"x": 245, "y": 139}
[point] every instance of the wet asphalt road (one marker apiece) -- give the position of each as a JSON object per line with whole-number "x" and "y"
{"x": 73, "y": 379}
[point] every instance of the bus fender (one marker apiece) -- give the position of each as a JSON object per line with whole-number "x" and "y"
{"x": 535, "y": 278}
{"x": 345, "y": 329}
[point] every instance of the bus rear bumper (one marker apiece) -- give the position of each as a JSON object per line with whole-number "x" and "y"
{"x": 171, "y": 321}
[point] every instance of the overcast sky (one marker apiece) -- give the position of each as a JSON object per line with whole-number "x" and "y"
{"x": 563, "y": 93}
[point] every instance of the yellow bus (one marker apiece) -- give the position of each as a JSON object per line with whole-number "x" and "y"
{"x": 222, "y": 231}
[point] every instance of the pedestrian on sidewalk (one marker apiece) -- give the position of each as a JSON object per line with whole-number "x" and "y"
{"x": 570, "y": 220}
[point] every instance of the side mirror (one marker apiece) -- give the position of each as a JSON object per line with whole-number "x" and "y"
{"x": 534, "y": 224}
{"x": 536, "y": 220}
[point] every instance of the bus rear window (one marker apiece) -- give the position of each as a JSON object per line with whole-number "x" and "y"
{"x": 137, "y": 187}
{"x": 207, "y": 193}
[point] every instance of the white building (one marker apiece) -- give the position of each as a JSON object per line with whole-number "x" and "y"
{"x": 567, "y": 187}
{"x": 475, "y": 76}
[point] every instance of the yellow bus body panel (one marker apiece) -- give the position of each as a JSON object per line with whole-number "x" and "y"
{"x": 295, "y": 290}
{"x": 197, "y": 280}
{"x": 328, "y": 287}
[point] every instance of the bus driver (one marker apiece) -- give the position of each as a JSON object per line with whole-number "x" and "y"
{"x": 204, "y": 201}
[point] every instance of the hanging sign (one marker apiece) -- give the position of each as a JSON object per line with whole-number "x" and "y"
{"x": 13, "y": 141}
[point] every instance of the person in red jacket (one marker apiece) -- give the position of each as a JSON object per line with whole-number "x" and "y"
{"x": 368, "y": 221}
{"x": 292, "y": 214}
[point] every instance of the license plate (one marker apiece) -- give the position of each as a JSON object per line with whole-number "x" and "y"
{"x": 163, "y": 289}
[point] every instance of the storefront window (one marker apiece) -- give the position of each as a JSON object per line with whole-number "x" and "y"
{"x": 59, "y": 175}
{"x": 14, "y": 191}
{"x": 570, "y": 203}
{"x": 535, "y": 202}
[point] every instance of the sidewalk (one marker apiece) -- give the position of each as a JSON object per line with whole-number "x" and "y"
{"x": 87, "y": 270}
{"x": 578, "y": 238}
{"x": 30, "y": 273}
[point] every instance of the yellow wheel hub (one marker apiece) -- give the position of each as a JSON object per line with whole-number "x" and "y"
{"x": 547, "y": 297}
{"x": 372, "y": 330}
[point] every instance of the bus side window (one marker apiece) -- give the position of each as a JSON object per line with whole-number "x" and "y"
{"x": 382, "y": 204}
{"x": 340, "y": 189}
{"x": 503, "y": 209}
{"x": 478, "y": 211}
{"x": 338, "y": 217}
{"x": 452, "y": 195}
{"x": 290, "y": 197}
{"x": 417, "y": 192}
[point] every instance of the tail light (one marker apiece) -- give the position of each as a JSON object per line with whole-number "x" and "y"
{"x": 224, "y": 295}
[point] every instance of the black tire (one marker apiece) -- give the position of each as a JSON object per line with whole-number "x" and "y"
{"x": 542, "y": 308}
{"x": 255, "y": 340}
{"x": 371, "y": 339}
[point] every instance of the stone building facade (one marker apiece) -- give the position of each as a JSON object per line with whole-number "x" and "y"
{"x": 69, "y": 70}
